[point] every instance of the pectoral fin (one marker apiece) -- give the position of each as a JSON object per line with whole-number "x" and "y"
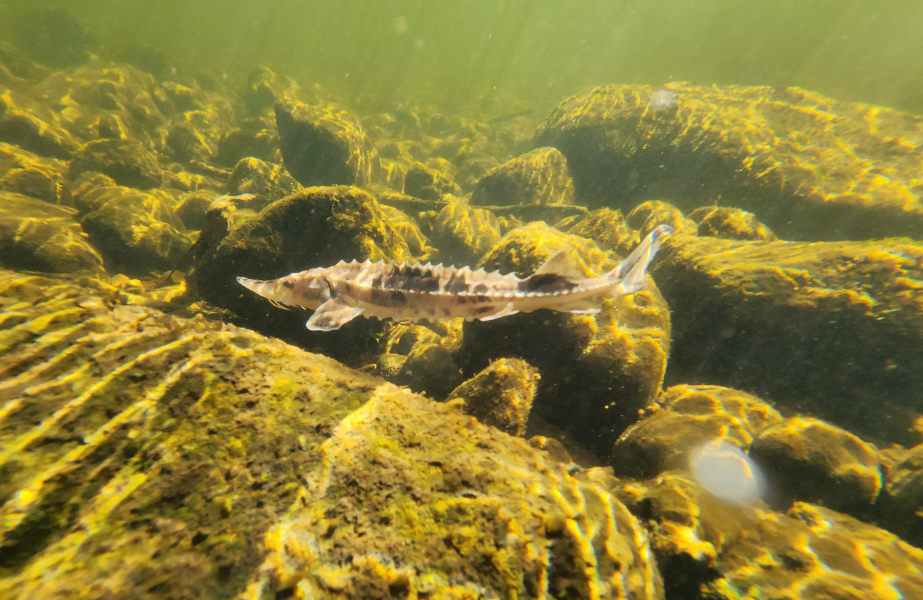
{"x": 332, "y": 314}
{"x": 504, "y": 312}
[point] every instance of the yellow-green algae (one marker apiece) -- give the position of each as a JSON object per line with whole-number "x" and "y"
{"x": 778, "y": 318}
{"x": 149, "y": 456}
{"x": 597, "y": 371}
{"x": 809, "y": 166}
{"x": 682, "y": 419}
{"x": 707, "y": 548}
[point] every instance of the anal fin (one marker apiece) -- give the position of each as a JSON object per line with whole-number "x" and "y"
{"x": 332, "y": 314}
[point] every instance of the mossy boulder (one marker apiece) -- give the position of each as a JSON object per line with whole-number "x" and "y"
{"x": 808, "y": 166}
{"x": 37, "y": 182}
{"x": 33, "y": 127}
{"x": 255, "y": 137}
{"x": 127, "y": 162}
{"x": 537, "y": 177}
{"x": 192, "y": 207}
{"x": 684, "y": 419}
{"x": 648, "y": 215}
{"x": 828, "y": 328}
{"x": 268, "y": 182}
{"x": 315, "y": 227}
{"x": 428, "y": 183}
{"x": 501, "y": 395}
{"x": 813, "y": 461}
{"x": 38, "y": 236}
{"x": 464, "y": 233}
{"x": 201, "y": 460}
{"x": 264, "y": 88}
{"x": 710, "y": 549}
{"x": 597, "y": 371}
{"x": 324, "y": 145}
{"x": 137, "y": 232}
{"x": 604, "y": 226}
{"x": 900, "y": 507}
{"x": 730, "y": 223}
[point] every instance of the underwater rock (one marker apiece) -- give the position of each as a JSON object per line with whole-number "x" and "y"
{"x": 315, "y": 227}
{"x": 192, "y": 208}
{"x": 597, "y": 371}
{"x": 106, "y": 100}
{"x": 407, "y": 227}
{"x": 324, "y": 145}
{"x": 256, "y": 137}
{"x": 778, "y": 318}
{"x": 137, "y": 232}
{"x": 648, "y": 215}
{"x": 33, "y": 127}
{"x": 683, "y": 419}
{"x": 900, "y": 507}
{"x": 808, "y": 166}
{"x": 419, "y": 500}
{"x": 710, "y": 549}
{"x": 418, "y": 357}
{"x": 38, "y": 236}
{"x": 423, "y": 181}
{"x": 264, "y": 88}
{"x": 537, "y": 177}
{"x": 127, "y": 162}
{"x": 185, "y": 143}
{"x": 813, "y": 461}
{"x": 730, "y": 223}
{"x": 200, "y": 460}
{"x": 37, "y": 182}
{"x": 464, "y": 233}
{"x": 501, "y": 395}
{"x": 606, "y": 227}
{"x": 266, "y": 181}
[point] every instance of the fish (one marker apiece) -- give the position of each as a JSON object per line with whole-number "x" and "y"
{"x": 398, "y": 291}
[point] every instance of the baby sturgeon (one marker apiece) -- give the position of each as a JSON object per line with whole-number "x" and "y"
{"x": 344, "y": 291}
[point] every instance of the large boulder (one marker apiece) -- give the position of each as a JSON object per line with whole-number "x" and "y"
{"x": 537, "y": 177}
{"x": 324, "y": 145}
{"x": 128, "y": 162}
{"x": 597, "y": 371}
{"x": 808, "y": 166}
{"x": 38, "y": 236}
{"x": 197, "y": 460}
{"x": 828, "y": 328}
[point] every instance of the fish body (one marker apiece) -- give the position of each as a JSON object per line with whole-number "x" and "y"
{"x": 344, "y": 291}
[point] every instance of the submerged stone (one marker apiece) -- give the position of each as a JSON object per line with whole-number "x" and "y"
{"x": 501, "y": 395}
{"x": 836, "y": 326}
{"x": 754, "y": 147}
{"x": 127, "y": 162}
{"x": 199, "y": 460}
{"x": 537, "y": 177}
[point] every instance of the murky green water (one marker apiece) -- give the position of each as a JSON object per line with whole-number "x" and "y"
{"x": 636, "y": 306}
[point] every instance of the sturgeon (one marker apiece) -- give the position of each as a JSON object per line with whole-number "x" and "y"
{"x": 340, "y": 293}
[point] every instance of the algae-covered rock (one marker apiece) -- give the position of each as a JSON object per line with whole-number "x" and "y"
{"x": 37, "y": 182}
{"x": 730, "y": 223}
{"x": 607, "y": 228}
{"x": 137, "y": 232}
{"x": 256, "y": 137}
{"x": 808, "y": 166}
{"x": 419, "y": 500}
{"x": 315, "y": 227}
{"x": 193, "y": 206}
{"x": 833, "y": 328}
{"x": 810, "y": 460}
{"x": 646, "y": 216}
{"x": 33, "y": 127}
{"x": 264, "y": 88}
{"x": 38, "y": 236}
{"x": 324, "y": 145}
{"x": 126, "y": 161}
{"x": 710, "y": 549}
{"x": 537, "y": 177}
{"x": 597, "y": 371}
{"x": 684, "y": 419}
{"x": 501, "y": 395}
{"x": 199, "y": 460}
{"x": 266, "y": 181}
{"x": 464, "y": 233}
{"x": 901, "y": 504}
{"x": 423, "y": 181}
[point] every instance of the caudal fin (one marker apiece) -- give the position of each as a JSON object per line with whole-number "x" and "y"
{"x": 631, "y": 274}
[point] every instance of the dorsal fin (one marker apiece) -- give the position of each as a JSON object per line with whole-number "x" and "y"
{"x": 561, "y": 263}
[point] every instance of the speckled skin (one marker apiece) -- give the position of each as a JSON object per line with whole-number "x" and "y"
{"x": 415, "y": 291}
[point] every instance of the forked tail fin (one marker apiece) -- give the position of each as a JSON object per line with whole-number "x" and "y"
{"x": 631, "y": 274}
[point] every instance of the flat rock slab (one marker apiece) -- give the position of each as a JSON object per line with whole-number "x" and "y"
{"x": 808, "y": 166}
{"x": 833, "y": 329}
